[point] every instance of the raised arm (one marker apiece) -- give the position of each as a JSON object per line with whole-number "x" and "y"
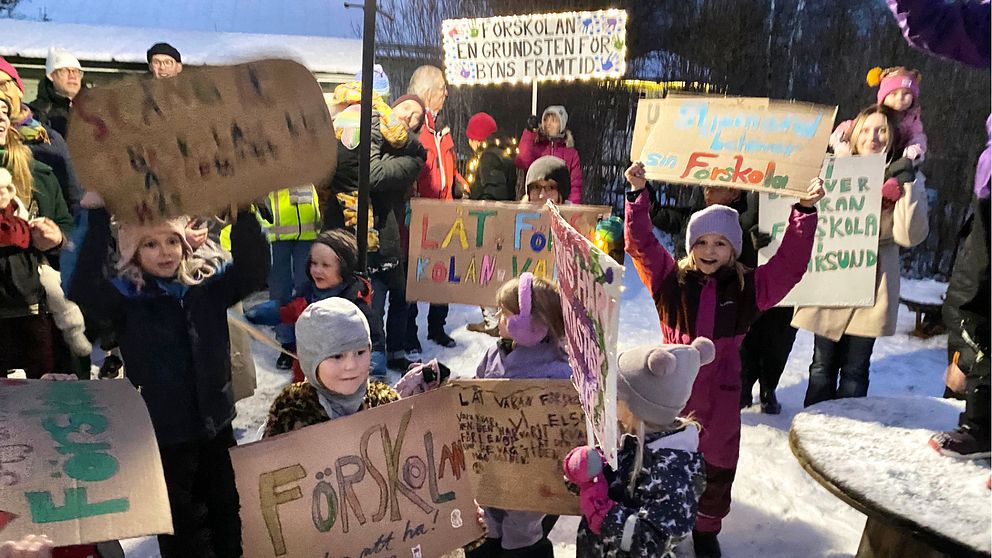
{"x": 652, "y": 261}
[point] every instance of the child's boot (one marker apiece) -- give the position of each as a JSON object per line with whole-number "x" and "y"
{"x": 705, "y": 545}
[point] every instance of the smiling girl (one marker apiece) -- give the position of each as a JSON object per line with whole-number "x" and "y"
{"x": 170, "y": 313}
{"x": 710, "y": 294}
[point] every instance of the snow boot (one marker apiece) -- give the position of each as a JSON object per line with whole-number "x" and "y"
{"x": 961, "y": 443}
{"x": 111, "y": 367}
{"x": 770, "y": 404}
{"x": 705, "y": 545}
{"x": 541, "y": 549}
{"x": 441, "y": 338}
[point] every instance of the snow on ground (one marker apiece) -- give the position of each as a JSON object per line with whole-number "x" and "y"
{"x": 778, "y": 510}
{"x": 927, "y": 291}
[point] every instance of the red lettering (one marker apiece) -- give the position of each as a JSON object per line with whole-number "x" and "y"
{"x": 424, "y": 243}
{"x": 740, "y": 175}
{"x": 695, "y": 161}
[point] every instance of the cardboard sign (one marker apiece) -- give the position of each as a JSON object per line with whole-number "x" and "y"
{"x": 535, "y": 47}
{"x": 521, "y": 429}
{"x": 463, "y": 251}
{"x": 203, "y": 140}
{"x": 747, "y": 143}
{"x": 842, "y": 270}
{"x": 388, "y": 481}
{"x": 590, "y": 283}
{"x": 79, "y": 463}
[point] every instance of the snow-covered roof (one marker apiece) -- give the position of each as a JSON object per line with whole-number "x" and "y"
{"x": 32, "y": 39}
{"x": 326, "y": 18}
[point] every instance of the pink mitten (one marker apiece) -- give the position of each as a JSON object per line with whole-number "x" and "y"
{"x": 892, "y": 190}
{"x": 419, "y": 378}
{"x": 584, "y": 467}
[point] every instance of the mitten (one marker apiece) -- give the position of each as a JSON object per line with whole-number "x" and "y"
{"x": 533, "y": 123}
{"x": 422, "y": 377}
{"x": 892, "y": 190}
{"x": 760, "y": 239}
{"x": 913, "y": 152}
{"x": 584, "y": 467}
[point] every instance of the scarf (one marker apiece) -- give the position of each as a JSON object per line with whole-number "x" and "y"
{"x": 346, "y": 122}
{"x": 337, "y": 405}
{"x": 30, "y": 129}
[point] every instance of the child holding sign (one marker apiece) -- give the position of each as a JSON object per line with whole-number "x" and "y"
{"x": 531, "y": 328}
{"x": 170, "y": 311}
{"x": 647, "y": 506}
{"x": 709, "y": 293}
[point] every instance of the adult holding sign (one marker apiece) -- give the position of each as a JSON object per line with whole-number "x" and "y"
{"x": 710, "y": 294}
{"x": 551, "y": 137}
{"x": 846, "y": 336}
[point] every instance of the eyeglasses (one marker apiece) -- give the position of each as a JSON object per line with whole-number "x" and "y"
{"x": 163, "y": 63}
{"x": 538, "y": 188}
{"x": 69, "y": 72}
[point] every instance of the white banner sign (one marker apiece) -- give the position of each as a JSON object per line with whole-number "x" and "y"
{"x": 535, "y": 47}
{"x": 841, "y": 271}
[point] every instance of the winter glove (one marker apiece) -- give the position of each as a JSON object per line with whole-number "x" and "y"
{"x": 760, "y": 239}
{"x": 584, "y": 467}
{"x": 914, "y": 152}
{"x": 533, "y": 123}
{"x": 422, "y": 377}
{"x": 891, "y": 191}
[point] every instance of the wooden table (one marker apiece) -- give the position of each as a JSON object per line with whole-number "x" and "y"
{"x": 872, "y": 453}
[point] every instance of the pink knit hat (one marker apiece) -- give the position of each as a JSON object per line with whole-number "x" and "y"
{"x": 895, "y": 81}
{"x": 130, "y": 236}
{"x": 9, "y": 69}
{"x": 715, "y": 219}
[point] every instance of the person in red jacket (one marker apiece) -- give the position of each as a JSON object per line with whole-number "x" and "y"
{"x": 437, "y": 180}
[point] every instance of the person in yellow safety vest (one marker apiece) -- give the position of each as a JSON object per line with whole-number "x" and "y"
{"x": 292, "y": 221}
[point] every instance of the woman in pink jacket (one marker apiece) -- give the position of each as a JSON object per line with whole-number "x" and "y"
{"x": 551, "y": 136}
{"x": 711, "y": 294}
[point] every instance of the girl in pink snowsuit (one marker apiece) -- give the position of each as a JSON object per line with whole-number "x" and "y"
{"x": 898, "y": 89}
{"x": 710, "y": 294}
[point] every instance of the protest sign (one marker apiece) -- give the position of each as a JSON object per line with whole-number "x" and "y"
{"x": 521, "y": 429}
{"x": 535, "y": 47}
{"x": 202, "y": 141}
{"x": 590, "y": 283}
{"x": 747, "y": 143}
{"x": 388, "y": 481}
{"x": 79, "y": 463}
{"x": 463, "y": 251}
{"x": 841, "y": 271}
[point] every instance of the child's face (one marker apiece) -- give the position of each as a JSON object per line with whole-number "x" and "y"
{"x": 325, "y": 267}
{"x": 160, "y": 254}
{"x": 899, "y": 100}
{"x": 346, "y": 372}
{"x": 504, "y": 316}
{"x": 626, "y": 417}
{"x": 6, "y": 196}
{"x": 711, "y": 252}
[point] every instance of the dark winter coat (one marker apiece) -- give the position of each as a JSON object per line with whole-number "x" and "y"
{"x": 716, "y": 307}
{"x": 52, "y": 108}
{"x": 55, "y": 154}
{"x": 174, "y": 338}
{"x": 495, "y": 177}
{"x": 663, "y": 505}
{"x": 966, "y": 305}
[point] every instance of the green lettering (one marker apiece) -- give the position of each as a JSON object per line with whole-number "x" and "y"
{"x": 44, "y": 510}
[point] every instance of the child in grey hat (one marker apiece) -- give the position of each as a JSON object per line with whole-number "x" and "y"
{"x": 647, "y": 506}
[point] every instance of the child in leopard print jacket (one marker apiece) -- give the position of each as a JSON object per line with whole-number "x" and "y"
{"x": 647, "y": 505}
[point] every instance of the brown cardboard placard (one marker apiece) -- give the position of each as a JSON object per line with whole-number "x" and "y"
{"x": 79, "y": 463}
{"x": 736, "y": 142}
{"x": 202, "y": 141}
{"x": 521, "y": 429}
{"x": 385, "y": 481}
{"x": 463, "y": 251}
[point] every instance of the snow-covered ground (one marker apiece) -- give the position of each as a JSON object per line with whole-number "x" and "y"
{"x": 778, "y": 510}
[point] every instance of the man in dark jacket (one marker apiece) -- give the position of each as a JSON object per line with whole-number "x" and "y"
{"x": 63, "y": 81}
{"x": 392, "y": 173}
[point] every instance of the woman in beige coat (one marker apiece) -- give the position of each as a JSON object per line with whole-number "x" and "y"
{"x": 845, "y": 337}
